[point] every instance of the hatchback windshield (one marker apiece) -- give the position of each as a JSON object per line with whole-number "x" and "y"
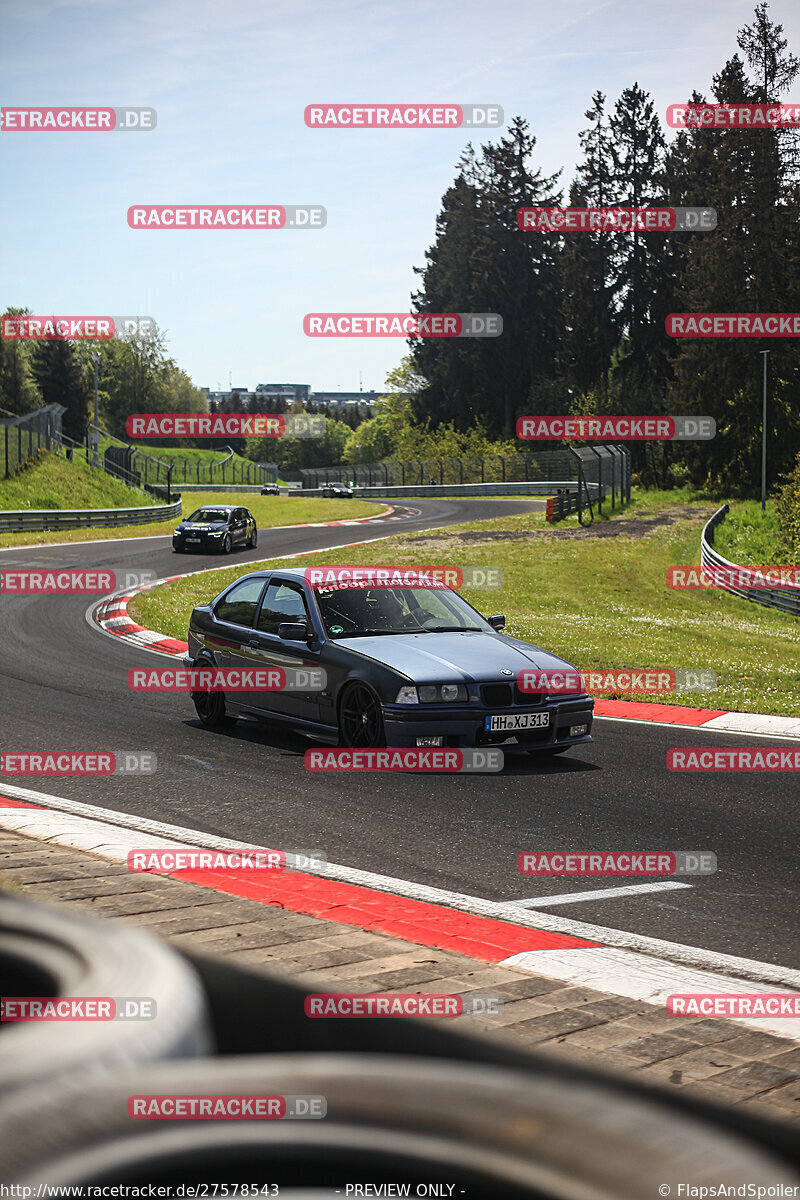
{"x": 353, "y": 612}
{"x": 209, "y": 515}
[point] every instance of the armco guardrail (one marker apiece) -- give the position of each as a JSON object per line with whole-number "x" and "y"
{"x": 458, "y": 489}
{"x": 783, "y": 598}
{"x": 21, "y": 520}
{"x": 562, "y": 504}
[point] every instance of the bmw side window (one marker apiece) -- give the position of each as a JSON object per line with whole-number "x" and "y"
{"x": 238, "y": 606}
{"x": 282, "y": 602}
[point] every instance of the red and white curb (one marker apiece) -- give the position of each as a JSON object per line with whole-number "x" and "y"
{"x": 593, "y": 956}
{"x": 715, "y": 720}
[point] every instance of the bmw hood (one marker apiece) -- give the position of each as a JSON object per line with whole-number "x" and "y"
{"x": 454, "y": 657}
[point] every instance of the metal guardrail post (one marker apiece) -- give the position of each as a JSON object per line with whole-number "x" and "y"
{"x": 599, "y": 478}
{"x": 627, "y": 456}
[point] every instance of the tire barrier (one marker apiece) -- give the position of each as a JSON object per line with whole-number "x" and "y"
{"x": 50, "y": 952}
{"x": 490, "y": 1131}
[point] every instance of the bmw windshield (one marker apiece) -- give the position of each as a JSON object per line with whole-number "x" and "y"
{"x": 356, "y": 612}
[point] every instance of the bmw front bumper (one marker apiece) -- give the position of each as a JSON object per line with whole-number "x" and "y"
{"x": 464, "y": 725}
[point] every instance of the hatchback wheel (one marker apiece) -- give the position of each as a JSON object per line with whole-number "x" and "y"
{"x": 226, "y": 544}
{"x": 253, "y": 539}
{"x": 360, "y": 717}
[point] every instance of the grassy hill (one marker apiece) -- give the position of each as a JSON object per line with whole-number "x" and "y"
{"x": 187, "y": 460}
{"x": 52, "y": 482}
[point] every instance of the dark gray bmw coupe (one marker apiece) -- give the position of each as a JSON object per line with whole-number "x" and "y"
{"x": 402, "y": 666}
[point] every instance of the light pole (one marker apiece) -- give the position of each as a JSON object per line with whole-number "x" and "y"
{"x": 96, "y": 434}
{"x": 358, "y": 448}
{"x": 764, "y": 354}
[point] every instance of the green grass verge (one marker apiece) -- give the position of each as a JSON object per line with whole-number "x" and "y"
{"x": 269, "y": 511}
{"x": 186, "y": 458}
{"x": 597, "y": 596}
{"x": 52, "y": 482}
{"x": 751, "y": 538}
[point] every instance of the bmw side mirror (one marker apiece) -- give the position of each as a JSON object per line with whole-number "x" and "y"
{"x": 293, "y": 631}
{"x": 497, "y": 621}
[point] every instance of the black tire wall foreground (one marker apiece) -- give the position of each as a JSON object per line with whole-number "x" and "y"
{"x": 49, "y": 951}
{"x": 491, "y": 1131}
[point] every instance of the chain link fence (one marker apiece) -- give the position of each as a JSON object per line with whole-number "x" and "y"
{"x": 592, "y": 473}
{"x": 23, "y": 438}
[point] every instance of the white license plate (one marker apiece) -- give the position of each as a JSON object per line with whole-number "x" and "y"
{"x": 515, "y": 721}
{"x": 193, "y": 539}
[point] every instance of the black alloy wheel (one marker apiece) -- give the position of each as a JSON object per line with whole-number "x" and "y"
{"x": 210, "y": 707}
{"x": 253, "y": 539}
{"x": 360, "y": 717}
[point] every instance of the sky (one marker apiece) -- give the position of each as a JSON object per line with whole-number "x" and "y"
{"x": 230, "y": 82}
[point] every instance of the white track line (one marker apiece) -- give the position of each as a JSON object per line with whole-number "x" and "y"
{"x": 640, "y": 977}
{"x": 732, "y": 965}
{"x": 631, "y": 889}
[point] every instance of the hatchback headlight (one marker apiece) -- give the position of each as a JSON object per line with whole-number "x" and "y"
{"x": 431, "y": 693}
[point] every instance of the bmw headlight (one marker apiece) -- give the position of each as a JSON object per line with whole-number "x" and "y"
{"x": 407, "y": 695}
{"x": 431, "y": 693}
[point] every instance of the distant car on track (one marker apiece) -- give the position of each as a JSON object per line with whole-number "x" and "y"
{"x": 216, "y": 527}
{"x": 270, "y": 489}
{"x": 341, "y": 490}
{"x": 405, "y": 667}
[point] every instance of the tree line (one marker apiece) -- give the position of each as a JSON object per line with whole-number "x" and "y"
{"x": 584, "y": 313}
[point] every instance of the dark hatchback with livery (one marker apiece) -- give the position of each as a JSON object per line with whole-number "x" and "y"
{"x": 405, "y": 667}
{"x": 219, "y": 527}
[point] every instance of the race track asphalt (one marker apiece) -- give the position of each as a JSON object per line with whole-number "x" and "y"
{"x": 63, "y": 687}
